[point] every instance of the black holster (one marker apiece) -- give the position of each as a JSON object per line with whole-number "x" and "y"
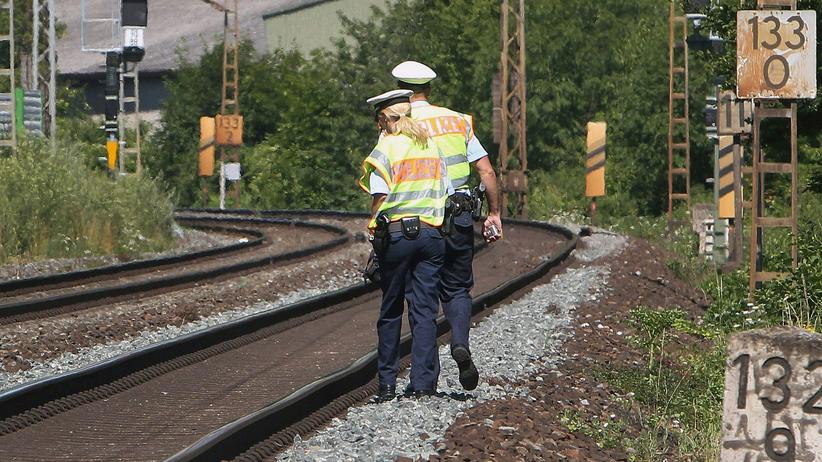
{"x": 450, "y": 213}
{"x": 372, "y": 268}
{"x": 381, "y": 236}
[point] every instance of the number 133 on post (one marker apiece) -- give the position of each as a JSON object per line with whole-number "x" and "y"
{"x": 776, "y": 54}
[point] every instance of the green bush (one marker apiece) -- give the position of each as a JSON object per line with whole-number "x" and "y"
{"x": 54, "y": 205}
{"x": 281, "y": 178}
{"x": 793, "y": 300}
{"x": 796, "y": 299}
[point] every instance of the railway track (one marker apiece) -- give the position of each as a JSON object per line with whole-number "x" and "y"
{"x": 44, "y": 296}
{"x": 152, "y": 403}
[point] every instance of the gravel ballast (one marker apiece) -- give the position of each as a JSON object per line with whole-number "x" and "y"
{"x": 516, "y": 340}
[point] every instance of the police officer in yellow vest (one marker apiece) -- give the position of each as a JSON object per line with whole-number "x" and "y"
{"x": 407, "y": 179}
{"x": 453, "y": 133}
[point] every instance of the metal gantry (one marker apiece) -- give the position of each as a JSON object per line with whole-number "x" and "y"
{"x": 46, "y": 83}
{"x": 230, "y": 97}
{"x": 129, "y": 115}
{"x": 230, "y": 104}
{"x": 513, "y": 160}
{"x": 759, "y": 219}
{"x": 7, "y": 104}
{"x": 679, "y": 145}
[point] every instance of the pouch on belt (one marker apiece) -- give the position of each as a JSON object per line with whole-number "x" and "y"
{"x": 410, "y": 227}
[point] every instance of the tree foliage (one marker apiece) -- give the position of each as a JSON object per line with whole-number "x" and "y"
{"x": 586, "y": 60}
{"x": 722, "y": 20}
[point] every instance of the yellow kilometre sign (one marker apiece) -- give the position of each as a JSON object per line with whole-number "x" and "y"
{"x": 595, "y": 160}
{"x": 229, "y": 130}
{"x": 726, "y": 177}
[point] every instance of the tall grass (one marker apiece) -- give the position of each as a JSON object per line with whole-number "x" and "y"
{"x": 53, "y": 205}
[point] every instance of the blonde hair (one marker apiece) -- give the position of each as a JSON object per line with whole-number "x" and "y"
{"x": 399, "y": 121}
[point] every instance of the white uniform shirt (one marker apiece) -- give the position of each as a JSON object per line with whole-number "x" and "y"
{"x": 475, "y": 149}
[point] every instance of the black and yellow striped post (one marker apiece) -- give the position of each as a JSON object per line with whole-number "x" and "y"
{"x": 205, "y": 165}
{"x": 726, "y": 178}
{"x": 595, "y": 164}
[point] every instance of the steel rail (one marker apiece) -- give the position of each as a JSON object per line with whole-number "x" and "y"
{"x": 37, "y": 282}
{"x": 36, "y": 401}
{"x": 82, "y": 297}
{"x": 232, "y": 439}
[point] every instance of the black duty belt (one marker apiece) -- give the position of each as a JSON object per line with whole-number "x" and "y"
{"x": 464, "y": 201}
{"x": 396, "y": 226}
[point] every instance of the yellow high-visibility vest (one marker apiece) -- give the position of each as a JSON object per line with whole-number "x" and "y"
{"x": 451, "y": 131}
{"x": 415, "y": 176}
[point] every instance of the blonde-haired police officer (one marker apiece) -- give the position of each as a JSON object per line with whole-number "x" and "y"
{"x": 453, "y": 132}
{"x": 408, "y": 182}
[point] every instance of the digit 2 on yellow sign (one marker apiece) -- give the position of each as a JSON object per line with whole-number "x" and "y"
{"x": 776, "y": 54}
{"x": 229, "y": 130}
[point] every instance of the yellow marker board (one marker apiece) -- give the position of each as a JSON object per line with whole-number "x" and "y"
{"x": 206, "y": 163}
{"x": 726, "y": 177}
{"x": 595, "y": 160}
{"x": 230, "y": 130}
{"x": 111, "y": 154}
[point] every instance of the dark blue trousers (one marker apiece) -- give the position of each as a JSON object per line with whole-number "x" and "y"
{"x": 410, "y": 268}
{"x": 457, "y": 278}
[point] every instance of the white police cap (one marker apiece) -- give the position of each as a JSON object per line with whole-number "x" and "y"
{"x": 413, "y": 72}
{"x": 388, "y": 98}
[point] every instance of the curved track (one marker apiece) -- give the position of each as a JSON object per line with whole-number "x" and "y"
{"x": 154, "y": 402}
{"x": 52, "y": 295}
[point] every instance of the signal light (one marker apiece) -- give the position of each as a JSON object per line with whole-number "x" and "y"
{"x": 112, "y": 92}
{"x": 134, "y": 21}
{"x": 135, "y": 13}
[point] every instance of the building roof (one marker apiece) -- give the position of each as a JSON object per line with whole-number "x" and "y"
{"x": 171, "y": 24}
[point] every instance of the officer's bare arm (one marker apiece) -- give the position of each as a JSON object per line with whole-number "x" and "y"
{"x": 489, "y": 179}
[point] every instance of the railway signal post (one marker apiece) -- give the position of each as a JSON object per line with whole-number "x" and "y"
{"x": 734, "y": 118}
{"x": 117, "y": 30}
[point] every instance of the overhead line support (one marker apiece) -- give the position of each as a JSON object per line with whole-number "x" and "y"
{"x": 513, "y": 160}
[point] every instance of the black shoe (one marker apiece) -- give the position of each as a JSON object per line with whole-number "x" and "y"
{"x": 421, "y": 393}
{"x": 385, "y": 393}
{"x": 410, "y": 392}
{"x": 469, "y": 376}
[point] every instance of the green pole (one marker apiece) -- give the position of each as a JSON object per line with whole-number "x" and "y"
{"x": 19, "y": 110}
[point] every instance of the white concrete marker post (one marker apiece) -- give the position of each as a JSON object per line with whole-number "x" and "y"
{"x": 773, "y": 397}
